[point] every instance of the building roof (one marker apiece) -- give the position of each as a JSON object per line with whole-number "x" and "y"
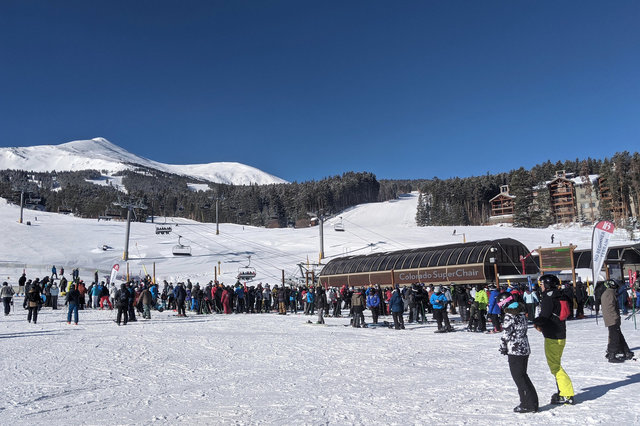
{"x": 503, "y": 195}
{"x": 437, "y": 262}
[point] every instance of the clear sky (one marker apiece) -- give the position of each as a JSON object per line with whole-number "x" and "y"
{"x": 309, "y": 89}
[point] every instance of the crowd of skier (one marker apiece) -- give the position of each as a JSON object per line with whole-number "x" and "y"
{"x": 547, "y": 304}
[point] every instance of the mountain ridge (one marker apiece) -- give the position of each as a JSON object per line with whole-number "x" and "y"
{"x": 101, "y": 154}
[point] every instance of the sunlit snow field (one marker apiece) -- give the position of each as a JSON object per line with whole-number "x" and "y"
{"x": 271, "y": 369}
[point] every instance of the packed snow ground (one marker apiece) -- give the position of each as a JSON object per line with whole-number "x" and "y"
{"x": 271, "y": 369}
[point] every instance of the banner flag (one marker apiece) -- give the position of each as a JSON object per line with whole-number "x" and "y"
{"x": 602, "y": 233}
{"x": 114, "y": 272}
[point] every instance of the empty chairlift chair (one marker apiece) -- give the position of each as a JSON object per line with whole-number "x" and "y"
{"x": 181, "y": 249}
{"x": 339, "y": 226}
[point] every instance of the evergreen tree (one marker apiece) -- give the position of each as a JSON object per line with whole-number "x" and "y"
{"x": 521, "y": 187}
{"x": 421, "y": 212}
{"x": 541, "y": 215}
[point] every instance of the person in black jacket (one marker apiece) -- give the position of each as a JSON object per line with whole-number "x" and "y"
{"x": 462, "y": 300}
{"x": 73, "y": 300}
{"x": 554, "y": 331}
{"x": 132, "y": 302}
{"x": 181, "y": 295}
{"x": 122, "y": 304}
{"x": 581, "y": 299}
{"x": 34, "y": 301}
{"x": 21, "y": 282}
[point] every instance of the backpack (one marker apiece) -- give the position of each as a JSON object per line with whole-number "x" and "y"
{"x": 124, "y": 297}
{"x": 564, "y": 309}
{"x": 34, "y": 296}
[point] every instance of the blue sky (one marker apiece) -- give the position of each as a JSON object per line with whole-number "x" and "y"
{"x": 309, "y": 89}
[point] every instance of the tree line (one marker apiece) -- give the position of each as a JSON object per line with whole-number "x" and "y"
{"x": 466, "y": 201}
{"x": 165, "y": 194}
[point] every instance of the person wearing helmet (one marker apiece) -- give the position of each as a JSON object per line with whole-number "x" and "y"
{"x": 439, "y": 302}
{"x": 554, "y": 331}
{"x": 617, "y": 349}
{"x": 515, "y": 344}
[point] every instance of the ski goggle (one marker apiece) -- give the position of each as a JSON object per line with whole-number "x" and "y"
{"x": 505, "y": 302}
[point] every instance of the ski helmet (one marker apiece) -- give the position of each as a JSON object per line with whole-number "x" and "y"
{"x": 504, "y": 300}
{"x": 611, "y": 284}
{"x": 550, "y": 281}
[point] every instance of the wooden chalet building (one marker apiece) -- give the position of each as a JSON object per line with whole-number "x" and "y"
{"x": 563, "y": 200}
{"x": 502, "y": 206}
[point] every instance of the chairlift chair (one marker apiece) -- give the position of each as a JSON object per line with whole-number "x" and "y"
{"x": 246, "y": 273}
{"x": 163, "y": 229}
{"x": 339, "y": 226}
{"x": 181, "y": 249}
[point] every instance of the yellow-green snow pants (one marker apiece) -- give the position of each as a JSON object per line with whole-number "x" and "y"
{"x": 553, "y": 349}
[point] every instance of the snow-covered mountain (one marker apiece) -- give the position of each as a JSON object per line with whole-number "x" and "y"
{"x": 100, "y": 154}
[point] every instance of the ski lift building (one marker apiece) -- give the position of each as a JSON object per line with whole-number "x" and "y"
{"x": 464, "y": 263}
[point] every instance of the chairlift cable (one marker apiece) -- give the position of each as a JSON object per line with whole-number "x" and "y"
{"x": 228, "y": 249}
{"x": 378, "y": 234}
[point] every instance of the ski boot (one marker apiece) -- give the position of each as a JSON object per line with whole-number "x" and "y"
{"x": 616, "y": 358}
{"x": 557, "y": 399}
{"x": 520, "y": 409}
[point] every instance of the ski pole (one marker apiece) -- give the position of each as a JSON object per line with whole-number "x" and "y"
{"x": 633, "y": 301}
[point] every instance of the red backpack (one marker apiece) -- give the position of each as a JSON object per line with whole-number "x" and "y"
{"x": 564, "y": 309}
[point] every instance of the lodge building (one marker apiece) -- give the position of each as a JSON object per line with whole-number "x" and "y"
{"x": 571, "y": 199}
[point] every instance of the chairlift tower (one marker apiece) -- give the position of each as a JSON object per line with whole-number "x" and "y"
{"x": 21, "y": 205}
{"x": 321, "y": 230}
{"x": 129, "y": 205}
{"x": 217, "y": 198}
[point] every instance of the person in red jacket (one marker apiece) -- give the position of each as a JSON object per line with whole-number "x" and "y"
{"x": 225, "y": 301}
{"x": 82, "y": 290}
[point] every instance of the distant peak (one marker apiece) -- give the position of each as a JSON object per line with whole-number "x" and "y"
{"x": 101, "y": 140}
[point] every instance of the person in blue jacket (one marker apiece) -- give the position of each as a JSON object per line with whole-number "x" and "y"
{"x": 239, "y": 291}
{"x": 397, "y": 308}
{"x": 494, "y": 310}
{"x": 310, "y": 301}
{"x": 154, "y": 294}
{"x": 439, "y": 303}
{"x": 373, "y": 302}
{"x": 622, "y": 298}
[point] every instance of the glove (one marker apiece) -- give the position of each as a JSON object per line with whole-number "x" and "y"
{"x": 503, "y": 350}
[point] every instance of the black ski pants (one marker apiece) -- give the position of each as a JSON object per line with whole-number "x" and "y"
{"x": 442, "y": 316}
{"x": 123, "y": 311}
{"x": 617, "y": 343}
{"x": 398, "y": 320}
{"x": 33, "y": 314}
{"x": 526, "y": 390}
{"x": 180, "y": 307}
{"x": 374, "y": 314}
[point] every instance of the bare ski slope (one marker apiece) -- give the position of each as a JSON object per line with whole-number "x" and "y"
{"x": 376, "y": 227}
